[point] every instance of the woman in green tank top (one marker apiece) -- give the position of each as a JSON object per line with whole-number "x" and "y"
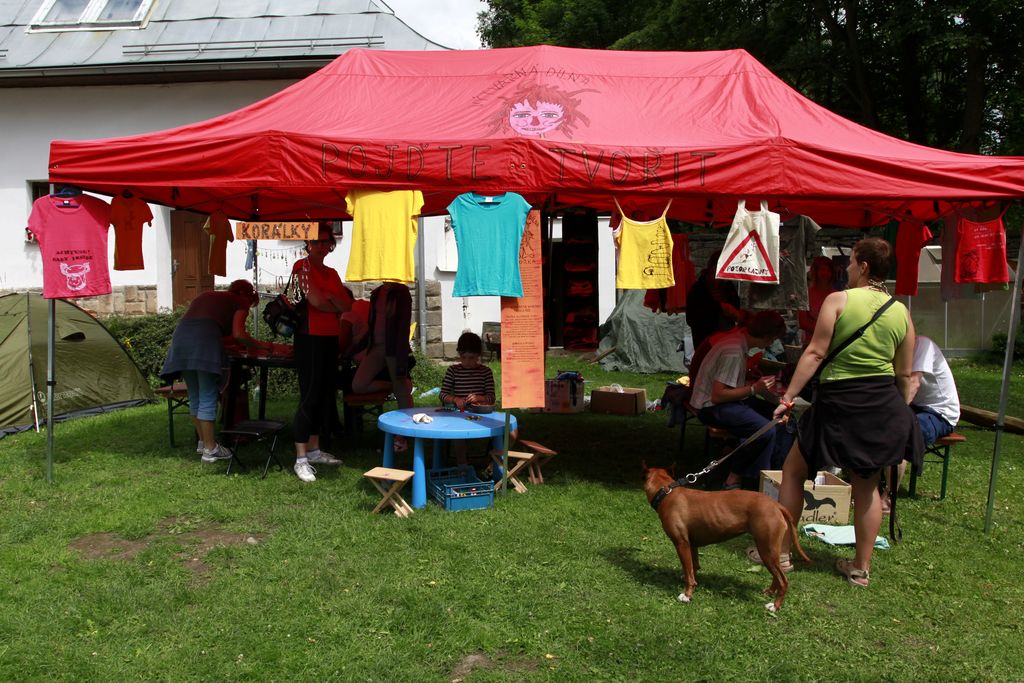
{"x": 860, "y": 419}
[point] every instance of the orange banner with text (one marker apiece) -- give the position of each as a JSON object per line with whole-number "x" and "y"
{"x": 522, "y": 328}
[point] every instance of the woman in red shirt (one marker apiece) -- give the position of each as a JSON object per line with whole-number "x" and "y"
{"x": 316, "y": 351}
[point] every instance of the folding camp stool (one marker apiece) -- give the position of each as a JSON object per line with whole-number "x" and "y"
{"x": 394, "y": 480}
{"x": 253, "y": 431}
{"x": 541, "y": 456}
{"x": 516, "y": 462}
{"x": 689, "y": 413}
{"x": 723, "y": 436}
{"x": 358, "y": 405}
{"x": 939, "y": 449}
{"x": 177, "y": 397}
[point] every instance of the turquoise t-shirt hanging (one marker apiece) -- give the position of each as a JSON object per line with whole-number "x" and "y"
{"x": 488, "y": 230}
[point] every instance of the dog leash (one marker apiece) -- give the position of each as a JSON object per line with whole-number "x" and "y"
{"x": 694, "y": 476}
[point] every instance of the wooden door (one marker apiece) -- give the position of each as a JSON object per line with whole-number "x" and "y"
{"x": 190, "y": 251}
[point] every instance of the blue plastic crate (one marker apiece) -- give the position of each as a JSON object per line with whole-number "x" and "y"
{"x": 456, "y": 488}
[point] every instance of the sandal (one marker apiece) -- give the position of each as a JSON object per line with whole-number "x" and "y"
{"x": 784, "y": 559}
{"x": 854, "y": 576}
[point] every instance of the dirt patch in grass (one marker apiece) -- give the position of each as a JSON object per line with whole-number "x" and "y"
{"x": 479, "y": 660}
{"x": 108, "y": 546}
{"x": 198, "y": 544}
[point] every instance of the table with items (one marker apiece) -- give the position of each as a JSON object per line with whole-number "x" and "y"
{"x": 281, "y": 358}
{"x": 443, "y": 424}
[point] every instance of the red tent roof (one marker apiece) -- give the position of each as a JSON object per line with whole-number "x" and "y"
{"x": 558, "y": 125}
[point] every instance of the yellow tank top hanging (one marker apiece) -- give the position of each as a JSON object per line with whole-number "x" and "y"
{"x": 645, "y": 252}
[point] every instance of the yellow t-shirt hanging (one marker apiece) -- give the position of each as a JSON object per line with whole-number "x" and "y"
{"x": 383, "y": 235}
{"x": 645, "y": 252}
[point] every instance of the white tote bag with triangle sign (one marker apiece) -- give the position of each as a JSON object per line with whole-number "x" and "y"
{"x": 751, "y": 251}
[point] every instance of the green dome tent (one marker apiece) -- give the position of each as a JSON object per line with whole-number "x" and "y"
{"x": 94, "y": 373}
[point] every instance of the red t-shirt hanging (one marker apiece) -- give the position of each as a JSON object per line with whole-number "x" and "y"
{"x": 910, "y": 239}
{"x": 72, "y": 234}
{"x": 981, "y": 252}
{"x": 127, "y": 215}
{"x": 219, "y": 228}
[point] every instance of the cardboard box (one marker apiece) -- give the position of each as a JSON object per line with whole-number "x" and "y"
{"x": 827, "y": 503}
{"x": 628, "y": 402}
{"x": 563, "y": 396}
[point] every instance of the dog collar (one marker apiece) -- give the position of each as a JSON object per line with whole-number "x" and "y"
{"x": 662, "y": 492}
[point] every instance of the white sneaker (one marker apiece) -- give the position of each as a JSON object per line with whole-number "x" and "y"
{"x": 221, "y": 452}
{"x": 319, "y": 457}
{"x": 199, "y": 447}
{"x": 305, "y": 472}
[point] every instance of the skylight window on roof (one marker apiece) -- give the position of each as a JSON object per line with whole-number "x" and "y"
{"x": 64, "y": 15}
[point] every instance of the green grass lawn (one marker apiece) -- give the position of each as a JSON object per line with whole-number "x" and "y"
{"x": 139, "y": 563}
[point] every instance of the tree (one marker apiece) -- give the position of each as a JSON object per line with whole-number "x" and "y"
{"x": 937, "y": 72}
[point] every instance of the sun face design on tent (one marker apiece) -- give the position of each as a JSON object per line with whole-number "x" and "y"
{"x": 537, "y": 110}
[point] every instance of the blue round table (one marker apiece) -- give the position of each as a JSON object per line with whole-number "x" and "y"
{"x": 445, "y": 425}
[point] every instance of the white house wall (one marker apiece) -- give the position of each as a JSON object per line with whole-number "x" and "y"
{"x": 31, "y": 118}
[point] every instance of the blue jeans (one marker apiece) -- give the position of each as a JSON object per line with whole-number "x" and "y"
{"x": 203, "y": 392}
{"x": 743, "y": 418}
{"x": 933, "y": 425}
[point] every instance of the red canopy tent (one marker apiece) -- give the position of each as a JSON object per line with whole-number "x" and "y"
{"x": 555, "y": 124}
{"x": 560, "y": 126}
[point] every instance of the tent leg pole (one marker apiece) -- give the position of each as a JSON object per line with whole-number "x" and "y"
{"x": 421, "y": 287}
{"x": 50, "y": 382}
{"x": 1004, "y": 391}
{"x": 504, "y": 455}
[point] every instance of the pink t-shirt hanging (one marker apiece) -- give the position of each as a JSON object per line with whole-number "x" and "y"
{"x": 981, "y": 252}
{"x": 72, "y": 234}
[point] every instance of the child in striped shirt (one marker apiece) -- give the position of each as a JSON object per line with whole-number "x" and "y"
{"x": 467, "y": 383}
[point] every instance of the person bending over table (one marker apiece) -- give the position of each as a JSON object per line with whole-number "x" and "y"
{"x": 316, "y": 351}
{"x": 198, "y": 352}
{"x": 388, "y": 348}
{"x": 467, "y": 383}
{"x": 933, "y": 398}
{"x": 723, "y": 398}
{"x": 859, "y": 419}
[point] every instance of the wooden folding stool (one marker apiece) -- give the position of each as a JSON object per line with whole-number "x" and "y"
{"x": 516, "y": 462}
{"x": 396, "y": 479}
{"x": 541, "y": 455}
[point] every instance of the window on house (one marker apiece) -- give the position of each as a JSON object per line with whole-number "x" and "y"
{"x": 38, "y": 188}
{"x": 63, "y": 15}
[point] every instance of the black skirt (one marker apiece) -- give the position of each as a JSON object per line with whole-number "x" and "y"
{"x": 859, "y": 424}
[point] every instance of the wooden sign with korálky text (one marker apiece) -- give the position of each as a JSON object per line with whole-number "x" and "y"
{"x": 275, "y": 231}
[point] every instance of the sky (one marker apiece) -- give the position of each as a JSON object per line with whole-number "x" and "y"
{"x": 451, "y": 23}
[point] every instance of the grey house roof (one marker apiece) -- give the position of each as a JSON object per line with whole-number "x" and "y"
{"x": 199, "y": 40}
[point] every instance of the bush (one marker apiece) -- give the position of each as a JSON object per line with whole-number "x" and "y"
{"x": 998, "y": 351}
{"x": 427, "y": 374}
{"x": 146, "y": 338}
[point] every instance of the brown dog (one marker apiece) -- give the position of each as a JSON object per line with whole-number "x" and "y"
{"x": 694, "y": 518}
